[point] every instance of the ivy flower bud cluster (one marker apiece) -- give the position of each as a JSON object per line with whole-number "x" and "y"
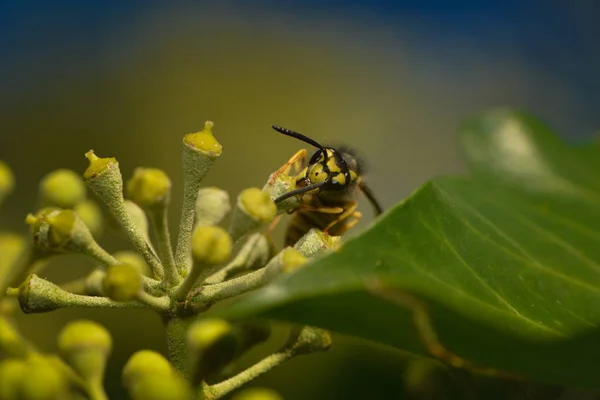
{"x": 179, "y": 278}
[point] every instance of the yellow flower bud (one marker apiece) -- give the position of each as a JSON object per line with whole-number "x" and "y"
{"x": 98, "y": 166}
{"x": 85, "y": 345}
{"x": 213, "y": 344}
{"x": 122, "y": 282}
{"x": 161, "y": 387}
{"x": 143, "y": 363}
{"x": 204, "y": 141}
{"x": 254, "y": 210}
{"x": 7, "y": 180}
{"x": 257, "y": 394}
{"x": 257, "y": 204}
{"x": 61, "y": 231}
{"x": 62, "y": 188}
{"x": 44, "y": 381}
{"x": 134, "y": 259}
{"x": 149, "y": 187}
{"x": 92, "y": 217}
{"x": 62, "y": 224}
{"x": 292, "y": 259}
{"x": 13, "y": 376}
{"x": 211, "y": 245}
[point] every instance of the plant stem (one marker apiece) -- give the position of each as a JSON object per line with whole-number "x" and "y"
{"x": 96, "y": 391}
{"x": 160, "y": 225}
{"x": 197, "y": 273}
{"x": 186, "y": 224}
{"x": 97, "y": 253}
{"x": 221, "y": 389}
{"x": 120, "y": 213}
{"x": 40, "y": 295}
{"x": 158, "y": 304}
{"x": 233, "y": 287}
{"x": 176, "y": 329}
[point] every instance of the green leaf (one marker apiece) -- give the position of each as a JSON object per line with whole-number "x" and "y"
{"x": 501, "y": 268}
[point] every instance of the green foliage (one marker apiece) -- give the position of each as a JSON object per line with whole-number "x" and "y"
{"x": 501, "y": 268}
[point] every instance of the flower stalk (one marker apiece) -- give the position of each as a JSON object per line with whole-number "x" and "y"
{"x": 178, "y": 284}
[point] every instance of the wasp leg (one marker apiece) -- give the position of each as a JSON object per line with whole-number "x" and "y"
{"x": 349, "y": 212}
{"x": 296, "y": 161}
{"x": 273, "y": 224}
{"x": 320, "y": 209}
{"x": 349, "y": 225}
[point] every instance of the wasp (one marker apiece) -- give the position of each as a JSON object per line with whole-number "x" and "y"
{"x": 328, "y": 186}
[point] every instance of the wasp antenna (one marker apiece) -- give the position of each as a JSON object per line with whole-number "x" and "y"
{"x": 297, "y": 135}
{"x": 298, "y": 191}
{"x": 369, "y": 194}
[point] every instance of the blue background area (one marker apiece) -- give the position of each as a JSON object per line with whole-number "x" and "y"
{"x": 559, "y": 37}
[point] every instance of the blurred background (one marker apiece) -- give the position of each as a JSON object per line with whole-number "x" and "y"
{"x": 393, "y": 79}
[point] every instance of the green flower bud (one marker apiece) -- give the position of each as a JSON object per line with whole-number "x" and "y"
{"x": 315, "y": 242}
{"x": 62, "y": 231}
{"x": 134, "y": 259}
{"x": 39, "y": 295}
{"x": 161, "y": 387}
{"x": 308, "y": 339}
{"x": 44, "y": 381}
{"x": 99, "y": 166}
{"x": 204, "y": 141}
{"x": 13, "y": 376}
{"x": 253, "y": 211}
{"x": 144, "y": 363}
{"x": 62, "y": 188}
{"x": 86, "y": 346}
{"x": 38, "y": 222}
{"x": 149, "y": 187}
{"x": 211, "y": 245}
{"x": 103, "y": 177}
{"x": 94, "y": 283}
{"x": 62, "y": 226}
{"x": 212, "y": 205}
{"x": 257, "y": 394}
{"x": 92, "y": 217}
{"x": 213, "y": 344}
{"x": 122, "y": 282}
{"x": 138, "y": 217}
{"x": 7, "y": 181}
{"x": 279, "y": 184}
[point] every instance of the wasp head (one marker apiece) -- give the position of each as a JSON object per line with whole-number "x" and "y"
{"x": 327, "y": 167}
